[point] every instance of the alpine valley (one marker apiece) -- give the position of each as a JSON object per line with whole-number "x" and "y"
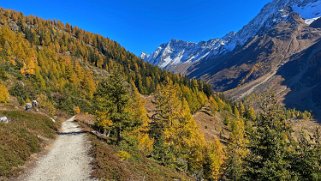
{"x": 75, "y": 105}
{"x": 279, "y": 51}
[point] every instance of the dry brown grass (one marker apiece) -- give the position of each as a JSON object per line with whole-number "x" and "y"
{"x": 211, "y": 124}
{"x": 26, "y": 134}
{"x": 307, "y": 128}
{"x": 86, "y": 121}
{"x": 108, "y": 166}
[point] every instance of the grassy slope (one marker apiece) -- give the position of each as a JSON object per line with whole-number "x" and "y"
{"x": 212, "y": 125}
{"x": 26, "y": 134}
{"x": 108, "y": 166}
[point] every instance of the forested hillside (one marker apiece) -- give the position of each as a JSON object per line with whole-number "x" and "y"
{"x": 68, "y": 69}
{"x": 56, "y": 59}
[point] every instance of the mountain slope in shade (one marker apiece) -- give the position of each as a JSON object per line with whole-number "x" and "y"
{"x": 262, "y": 55}
{"x": 178, "y": 56}
{"x": 316, "y": 23}
{"x": 259, "y": 58}
{"x": 302, "y": 77}
{"x": 296, "y": 83}
{"x": 295, "y": 78}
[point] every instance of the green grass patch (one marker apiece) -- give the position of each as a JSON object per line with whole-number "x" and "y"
{"x": 23, "y": 136}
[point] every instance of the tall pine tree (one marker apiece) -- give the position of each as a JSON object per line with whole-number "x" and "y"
{"x": 178, "y": 141}
{"x": 270, "y": 144}
{"x": 111, "y": 99}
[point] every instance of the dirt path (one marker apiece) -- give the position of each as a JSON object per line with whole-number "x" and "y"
{"x": 67, "y": 159}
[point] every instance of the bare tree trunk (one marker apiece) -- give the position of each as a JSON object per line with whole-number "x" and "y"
{"x": 118, "y": 135}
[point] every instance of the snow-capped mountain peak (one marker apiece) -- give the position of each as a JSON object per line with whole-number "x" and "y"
{"x": 308, "y": 10}
{"x": 144, "y": 56}
{"x": 178, "y": 52}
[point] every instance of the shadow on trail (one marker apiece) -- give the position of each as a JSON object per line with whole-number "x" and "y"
{"x": 72, "y": 133}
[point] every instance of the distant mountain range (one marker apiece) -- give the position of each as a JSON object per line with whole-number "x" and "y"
{"x": 177, "y": 52}
{"x": 257, "y": 58}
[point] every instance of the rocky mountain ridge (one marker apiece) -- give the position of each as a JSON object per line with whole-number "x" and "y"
{"x": 178, "y": 55}
{"x": 257, "y": 59}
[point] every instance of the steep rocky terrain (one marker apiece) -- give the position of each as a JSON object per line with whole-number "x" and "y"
{"x": 260, "y": 57}
{"x": 266, "y": 64}
{"x": 302, "y": 77}
{"x": 298, "y": 89}
{"x": 177, "y": 53}
{"x": 250, "y": 61}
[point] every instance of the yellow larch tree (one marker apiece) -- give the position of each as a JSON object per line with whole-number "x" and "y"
{"x": 214, "y": 161}
{"x": 29, "y": 64}
{"x": 138, "y": 113}
{"x": 4, "y": 94}
{"x": 237, "y": 149}
{"x": 178, "y": 141}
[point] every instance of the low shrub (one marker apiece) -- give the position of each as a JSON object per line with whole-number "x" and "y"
{"x": 123, "y": 155}
{"x": 21, "y": 137}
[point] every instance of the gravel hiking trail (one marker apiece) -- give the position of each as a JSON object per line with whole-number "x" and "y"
{"x": 67, "y": 159}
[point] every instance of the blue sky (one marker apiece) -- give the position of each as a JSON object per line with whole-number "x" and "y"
{"x": 142, "y": 25}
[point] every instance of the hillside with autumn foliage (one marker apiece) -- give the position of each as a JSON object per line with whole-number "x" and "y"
{"x": 69, "y": 70}
{"x": 62, "y": 59}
